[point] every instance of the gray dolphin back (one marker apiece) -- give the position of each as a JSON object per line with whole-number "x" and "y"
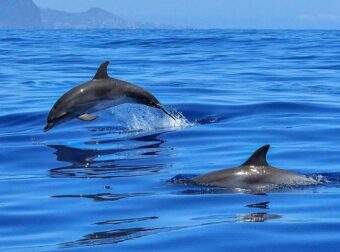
{"x": 253, "y": 174}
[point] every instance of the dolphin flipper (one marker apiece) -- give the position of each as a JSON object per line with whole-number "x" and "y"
{"x": 87, "y": 117}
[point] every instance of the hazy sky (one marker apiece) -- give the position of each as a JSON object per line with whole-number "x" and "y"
{"x": 298, "y": 14}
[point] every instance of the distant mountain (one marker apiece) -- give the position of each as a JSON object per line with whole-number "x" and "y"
{"x": 16, "y": 14}
{"x": 24, "y": 14}
{"x": 93, "y": 18}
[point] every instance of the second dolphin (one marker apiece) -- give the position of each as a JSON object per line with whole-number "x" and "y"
{"x": 254, "y": 174}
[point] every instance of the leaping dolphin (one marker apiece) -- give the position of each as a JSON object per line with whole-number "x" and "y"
{"x": 100, "y": 93}
{"x": 253, "y": 174}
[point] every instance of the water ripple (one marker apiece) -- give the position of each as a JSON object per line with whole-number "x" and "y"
{"x": 104, "y": 185}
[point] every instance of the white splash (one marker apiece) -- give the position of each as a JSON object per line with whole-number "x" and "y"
{"x": 137, "y": 118}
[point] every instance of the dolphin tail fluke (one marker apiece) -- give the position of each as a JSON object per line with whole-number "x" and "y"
{"x": 102, "y": 71}
{"x": 259, "y": 157}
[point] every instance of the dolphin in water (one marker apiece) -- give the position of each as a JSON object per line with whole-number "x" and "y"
{"x": 100, "y": 93}
{"x": 254, "y": 174}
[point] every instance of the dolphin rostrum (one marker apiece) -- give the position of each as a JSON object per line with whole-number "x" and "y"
{"x": 255, "y": 173}
{"x": 100, "y": 93}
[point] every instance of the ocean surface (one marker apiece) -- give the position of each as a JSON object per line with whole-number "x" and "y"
{"x": 105, "y": 185}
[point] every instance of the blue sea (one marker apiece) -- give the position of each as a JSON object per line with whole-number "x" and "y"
{"x": 106, "y": 185}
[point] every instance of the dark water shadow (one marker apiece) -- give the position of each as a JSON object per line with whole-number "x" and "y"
{"x": 102, "y": 196}
{"x": 258, "y": 217}
{"x": 85, "y": 163}
{"x": 122, "y": 234}
{"x": 261, "y": 205}
{"x": 124, "y": 221}
{"x": 263, "y": 216}
{"x": 112, "y": 236}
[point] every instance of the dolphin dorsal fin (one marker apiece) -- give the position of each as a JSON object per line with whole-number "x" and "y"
{"x": 259, "y": 157}
{"x": 102, "y": 71}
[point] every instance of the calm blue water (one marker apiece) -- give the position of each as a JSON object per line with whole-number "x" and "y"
{"x": 104, "y": 185}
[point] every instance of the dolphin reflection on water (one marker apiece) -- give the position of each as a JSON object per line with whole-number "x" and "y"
{"x": 84, "y": 162}
{"x": 122, "y": 230}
